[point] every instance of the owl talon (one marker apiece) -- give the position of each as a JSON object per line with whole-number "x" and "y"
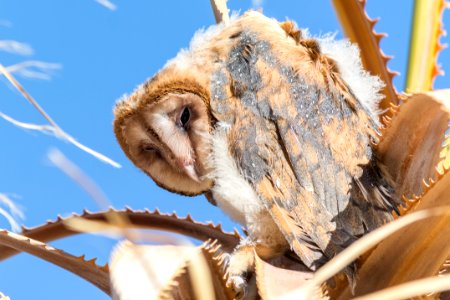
{"x": 238, "y": 284}
{"x": 235, "y": 281}
{"x": 225, "y": 262}
{"x": 237, "y": 266}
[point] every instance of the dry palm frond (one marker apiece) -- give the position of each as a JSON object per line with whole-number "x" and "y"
{"x": 168, "y": 272}
{"x": 280, "y": 283}
{"x": 411, "y": 142}
{"x": 140, "y": 219}
{"x": 409, "y": 149}
{"x": 86, "y": 269}
{"x": 359, "y": 28}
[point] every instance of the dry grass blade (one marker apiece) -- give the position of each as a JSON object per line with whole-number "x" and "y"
{"x": 30, "y": 99}
{"x": 220, "y": 11}
{"x": 411, "y": 289}
{"x": 8, "y": 202}
{"x": 57, "y": 130}
{"x": 77, "y": 175}
{"x": 12, "y": 222}
{"x": 117, "y": 222}
{"x": 92, "y": 152}
{"x": 15, "y": 47}
{"x": 29, "y": 126}
{"x": 424, "y": 45}
{"x": 202, "y": 278}
{"x": 106, "y": 3}
{"x": 87, "y": 270}
{"x": 15, "y": 212}
{"x": 34, "y": 69}
{"x": 89, "y": 186}
{"x": 103, "y": 228}
{"x": 120, "y": 224}
{"x": 130, "y": 280}
{"x": 359, "y": 28}
{"x": 3, "y": 297}
{"x": 88, "y": 226}
{"x": 200, "y": 275}
{"x": 354, "y": 251}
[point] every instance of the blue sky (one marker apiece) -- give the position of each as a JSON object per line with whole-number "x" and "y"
{"x": 97, "y": 55}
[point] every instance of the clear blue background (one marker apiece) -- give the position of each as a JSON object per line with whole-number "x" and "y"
{"x": 105, "y": 54}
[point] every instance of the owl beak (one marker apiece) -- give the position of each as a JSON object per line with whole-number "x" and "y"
{"x": 190, "y": 171}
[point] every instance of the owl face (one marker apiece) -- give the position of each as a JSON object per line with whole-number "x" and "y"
{"x": 165, "y": 139}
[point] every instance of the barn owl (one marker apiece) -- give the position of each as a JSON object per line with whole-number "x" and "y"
{"x": 275, "y": 127}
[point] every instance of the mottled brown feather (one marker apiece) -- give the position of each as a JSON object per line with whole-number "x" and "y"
{"x": 297, "y": 133}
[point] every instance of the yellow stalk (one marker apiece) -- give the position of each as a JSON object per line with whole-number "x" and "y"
{"x": 424, "y": 45}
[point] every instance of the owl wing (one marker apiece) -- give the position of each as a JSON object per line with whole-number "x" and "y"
{"x": 307, "y": 173}
{"x": 289, "y": 164}
{"x": 306, "y": 152}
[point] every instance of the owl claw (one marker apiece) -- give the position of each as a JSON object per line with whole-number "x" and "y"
{"x": 238, "y": 284}
{"x": 226, "y": 262}
{"x": 236, "y": 275}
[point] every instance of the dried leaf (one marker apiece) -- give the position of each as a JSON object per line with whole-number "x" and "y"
{"x": 417, "y": 251}
{"x": 114, "y": 231}
{"x": 279, "y": 283}
{"x": 156, "y": 272}
{"x": 140, "y": 272}
{"x": 410, "y": 145}
{"x": 53, "y": 230}
{"x": 215, "y": 258}
{"x": 367, "y": 242}
{"x": 88, "y": 270}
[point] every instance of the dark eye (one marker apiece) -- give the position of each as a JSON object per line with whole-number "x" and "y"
{"x": 149, "y": 148}
{"x": 185, "y": 116}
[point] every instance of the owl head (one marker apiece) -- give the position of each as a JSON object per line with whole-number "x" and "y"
{"x": 165, "y": 125}
{"x": 164, "y": 128}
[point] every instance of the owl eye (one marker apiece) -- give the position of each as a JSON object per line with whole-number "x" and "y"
{"x": 149, "y": 149}
{"x": 185, "y": 116}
